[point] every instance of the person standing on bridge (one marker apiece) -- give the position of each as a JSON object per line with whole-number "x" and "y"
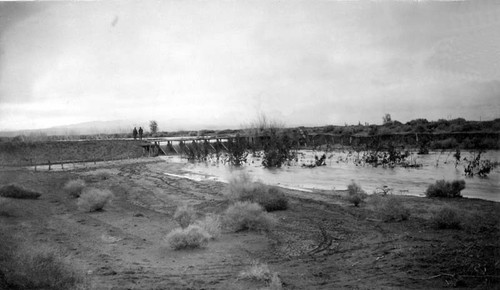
{"x": 134, "y": 132}
{"x": 140, "y": 133}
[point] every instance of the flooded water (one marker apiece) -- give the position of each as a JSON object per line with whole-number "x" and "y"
{"x": 340, "y": 170}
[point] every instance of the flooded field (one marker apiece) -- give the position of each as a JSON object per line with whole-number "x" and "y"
{"x": 340, "y": 169}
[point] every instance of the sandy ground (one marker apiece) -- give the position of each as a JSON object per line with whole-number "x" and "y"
{"x": 320, "y": 242}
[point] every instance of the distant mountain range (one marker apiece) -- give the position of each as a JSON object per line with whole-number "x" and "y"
{"x": 109, "y": 127}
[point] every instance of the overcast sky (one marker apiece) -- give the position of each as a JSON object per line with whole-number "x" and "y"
{"x": 220, "y": 63}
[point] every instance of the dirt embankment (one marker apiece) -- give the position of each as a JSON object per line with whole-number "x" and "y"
{"x": 320, "y": 242}
{"x": 31, "y": 153}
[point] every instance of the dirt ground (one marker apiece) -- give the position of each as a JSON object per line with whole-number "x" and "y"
{"x": 320, "y": 242}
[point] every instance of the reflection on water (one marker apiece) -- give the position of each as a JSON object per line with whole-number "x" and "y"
{"x": 340, "y": 170}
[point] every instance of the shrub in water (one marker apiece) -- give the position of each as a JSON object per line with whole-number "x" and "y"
{"x": 14, "y": 191}
{"x": 74, "y": 187}
{"x": 355, "y": 193}
{"x": 444, "y": 188}
{"x": 242, "y": 188}
{"x": 245, "y": 215}
{"x": 93, "y": 199}
{"x": 212, "y": 225}
{"x": 446, "y": 218}
{"x": 184, "y": 215}
{"x": 189, "y": 238}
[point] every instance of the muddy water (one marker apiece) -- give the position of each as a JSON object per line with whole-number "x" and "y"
{"x": 340, "y": 170}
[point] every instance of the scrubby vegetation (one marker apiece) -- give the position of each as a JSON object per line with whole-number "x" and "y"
{"x": 14, "y": 191}
{"x": 391, "y": 208}
{"x": 74, "y": 187}
{"x": 184, "y": 215}
{"x": 355, "y": 194}
{"x": 444, "y": 188}
{"x": 35, "y": 267}
{"x": 256, "y": 271}
{"x": 212, "y": 225}
{"x": 241, "y": 187}
{"x": 446, "y": 218}
{"x": 245, "y": 215}
{"x": 93, "y": 199}
{"x": 190, "y": 237}
{"x": 260, "y": 272}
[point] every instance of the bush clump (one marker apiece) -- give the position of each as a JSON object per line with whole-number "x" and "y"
{"x": 212, "y": 225}
{"x": 393, "y": 209}
{"x": 243, "y": 188}
{"x": 256, "y": 271}
{"x": 189, "y": 238}
{"x": 444, "y": 188}
{"x": 184, "y": 215}
{"x": 446, "y": 218}
{"x": 41, "y": 268}
{"x": 74, "y": 187}
{"x": 93, "y": 199}
{"x": 355, "y": 194}
{"x": 245, "y": 215}
{"x": 14, "y": 191}
{"x": 260, "y": 272}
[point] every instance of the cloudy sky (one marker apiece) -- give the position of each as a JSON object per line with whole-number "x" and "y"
{"x": 220, "y": 63}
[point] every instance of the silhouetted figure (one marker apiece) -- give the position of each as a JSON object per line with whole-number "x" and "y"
{"x": 134, "y": 133}
{"x": 140, "y": 133}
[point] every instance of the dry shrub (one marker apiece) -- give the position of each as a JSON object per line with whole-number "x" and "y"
{"x": 212, "y": 225}
{"x": 245, "y": 215}
{"x": 275, "y": 283}
{"x": 14, "y": 191}
{"x": 241, "y": 187}
{"x": 189, "y": 238}
{"x": 355, "y": 194}
{"x": 446, "y": 218}
{"x": 93, "y": 199}
{"x": 256, "y": 271}
{"x": 41, "y": 268}
{"x": 393, "y": 209}
{"x": 444, "y": 188}
{"x": 74, "y": 187}
{"x": 260, "y": 272}
{"x": 184, "y": 215}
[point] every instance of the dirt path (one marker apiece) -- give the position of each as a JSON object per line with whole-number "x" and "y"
{"x": 321, "y": 242}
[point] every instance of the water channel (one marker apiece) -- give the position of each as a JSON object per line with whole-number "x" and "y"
{"x": 340, "y": 170}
